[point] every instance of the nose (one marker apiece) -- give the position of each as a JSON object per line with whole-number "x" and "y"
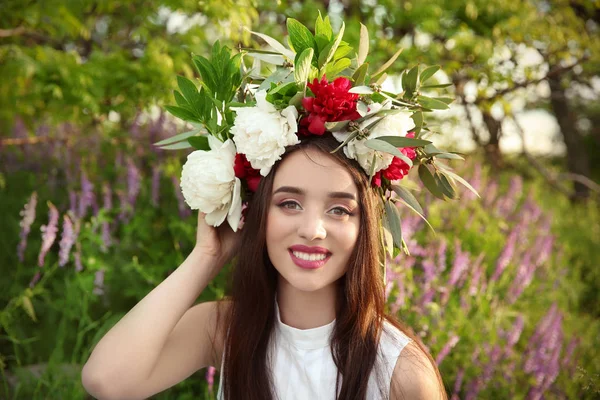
{"x": 312, "y": 227}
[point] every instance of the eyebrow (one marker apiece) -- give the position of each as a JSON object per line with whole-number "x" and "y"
{"x": 333, "y": 195}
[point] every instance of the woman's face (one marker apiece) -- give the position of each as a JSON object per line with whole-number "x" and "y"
{"x": 313, "y": 204}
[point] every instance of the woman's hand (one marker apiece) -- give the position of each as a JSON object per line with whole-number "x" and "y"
{"x": 220, "y": 243}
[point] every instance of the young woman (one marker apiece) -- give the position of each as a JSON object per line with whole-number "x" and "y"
{"x": 304, "y": 317}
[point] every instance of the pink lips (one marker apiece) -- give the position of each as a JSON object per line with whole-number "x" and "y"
{"x": 306, "y": 264}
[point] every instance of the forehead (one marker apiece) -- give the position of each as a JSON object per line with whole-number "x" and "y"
{"x": 319, "y": 173}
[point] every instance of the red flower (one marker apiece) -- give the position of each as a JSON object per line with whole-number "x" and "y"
{"x": 244, "y": 170}
{"x": 398, "y": 169}
{"x": 332, "y": 102}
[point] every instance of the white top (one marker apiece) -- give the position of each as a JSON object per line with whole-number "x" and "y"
{"x": 303, "y": 364}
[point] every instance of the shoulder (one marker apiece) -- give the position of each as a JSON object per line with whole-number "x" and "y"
{"x": 414, "y": 377}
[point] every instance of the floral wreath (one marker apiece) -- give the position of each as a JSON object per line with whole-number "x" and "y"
{"x": 243, "y": 122}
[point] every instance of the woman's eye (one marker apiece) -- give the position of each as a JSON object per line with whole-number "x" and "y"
{"x": 286, "y": 203}
{"x": 342, "y": 210}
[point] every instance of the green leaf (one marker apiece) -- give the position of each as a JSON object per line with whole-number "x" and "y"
{"x": 361, "y": 90}
{"x": 429, "y": 181}
{"x": 362, "y": 108}
{"x": 341, "y": 51}
{"x": 461, "y": 180}
{"x": 409, "y": 81}
{"x": 428, "y": 72}
{"x": 180, "y": 100}
{"x": 322, "y": 42}
{"x": 449, "y": 156}
{"x": 388, "y": 63}
{"x": 359, "y": 75}
{"x": 431, "y": 149}
{"x": 387, "y": 237}
{"x": 381, "y": 79}
{"x": 408, "y": 197}
{"x": 302, "y": 67}
{"x": 403, "y": 141}
{"x": 177, "y": 138}
{"x": 431, "y": 103}
{"x": 417, "y": 117}
{"x": 330, "y": 49}
{"x": 394, "y": 222}
{"x": 363, "y": 46}
{"x": 446, "y": 100}
{"x": 336, "y": 126}
{"x": 438, "y": 86}
{"x": 334, "y": 69}
{"x": 323, "y": 27}
{"x": 182, "y": 113}
{"x": 199, "y": 142}
{"x": 300, "y": 36}
{"x": 188, "y": 89}
{"x": 207, "y": 72}
{"x": 444, "y": 184}
{"x": 177, "y": 146}
{"x": 381, "y": 145}
{"x": 275, "y": 44}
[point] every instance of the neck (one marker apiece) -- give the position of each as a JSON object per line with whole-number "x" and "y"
{"x": 305, "y": 310}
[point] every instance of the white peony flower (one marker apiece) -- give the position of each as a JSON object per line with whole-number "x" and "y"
{"x": 391, "y": 125}
{"x": 209, "y": 184}
{"x": 262, "y": 132}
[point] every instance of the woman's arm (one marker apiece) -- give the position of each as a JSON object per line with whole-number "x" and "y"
{"x": 126, "y": 356}
{"x": 414, "y": 378}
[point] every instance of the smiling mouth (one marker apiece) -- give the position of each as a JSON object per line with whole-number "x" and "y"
{"x": 314, "y": 261}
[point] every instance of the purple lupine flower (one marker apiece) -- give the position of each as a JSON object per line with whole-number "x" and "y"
{"x": 28, "y": 214}
{"x": 35, "y": 279}
{"x": 446, "y": 349}
{"x": 399, "y": 302}
{"x": 87, "y": 196}
{"x": 506, "y": 254}
{"x": 107, "y": 205}
{"x": 489, "y": 194}
{"x": 73, "y": 201}
{"x": 477, "y": 279}
{"x": 566, "y": 361}
{"x": 473, "y": 389}
{"x": 99, "y": 283}
{"x": 66, "y": 242}
{"x": 155, "y": 185}
{"x": 133, "y": 182}
{"x": 124, "y": 206}
{"x": 544, "y": 250}
{"x": 495, "y": 356}
{"x": 459, "y": 266}
{"x": 428, "y": 271}
{"x": 441, "y": 255}
{"x": 410, "y": 223}
{"x": 458, "y": 382}
{"x": 524, "y": 277}
{"x": 427, "y": 297}
{"x": 184, "y": 210}
{"x": 507, "y": 204}
{"x": 515, "y": 333}
{"x": 210, "y": 377}
{"x": 48, "y": 233}
{"x": 77, "y": 255}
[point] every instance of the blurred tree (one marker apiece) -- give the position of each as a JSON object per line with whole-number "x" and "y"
{"x": 80, "y": 60}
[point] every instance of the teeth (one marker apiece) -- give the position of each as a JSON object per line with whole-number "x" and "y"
{"x": 309, "y": 257}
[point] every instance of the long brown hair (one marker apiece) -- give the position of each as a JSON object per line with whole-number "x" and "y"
{"x": 360, "y": 305}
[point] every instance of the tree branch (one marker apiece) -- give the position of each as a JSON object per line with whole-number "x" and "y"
{"x": 553, "y": 179}
{"x": 554, "y": 72}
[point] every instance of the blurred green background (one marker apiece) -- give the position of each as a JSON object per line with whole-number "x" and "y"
{"x": 506, "y": 296}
